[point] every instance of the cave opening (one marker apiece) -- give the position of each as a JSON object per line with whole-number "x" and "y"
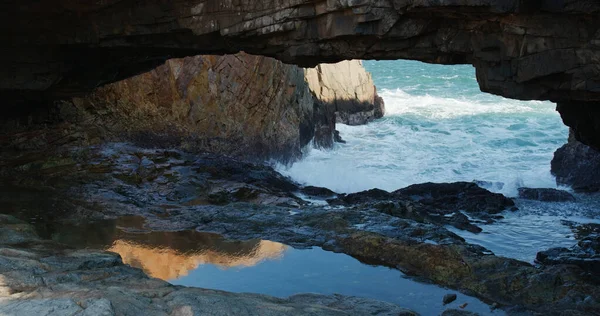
{"x": 241, "y": 173}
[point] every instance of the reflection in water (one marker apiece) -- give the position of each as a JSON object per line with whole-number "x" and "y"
{"x": 165, "y": 255}
{"x": 208, "y": 260}
{"x": 167, "y": 264}
{"x": 318, "y": 271}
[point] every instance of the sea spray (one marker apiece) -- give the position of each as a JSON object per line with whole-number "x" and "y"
{"x": 439, "y": 127}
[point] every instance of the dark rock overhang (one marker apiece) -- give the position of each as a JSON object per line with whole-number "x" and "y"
{"x": 529, "y": 50}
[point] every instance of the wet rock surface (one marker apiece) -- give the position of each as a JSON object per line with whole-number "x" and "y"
{"x": 439, "y": 203}
{"x": 577, "y": 165}
{"x": 45, "y": 278}
{"x": 176, "y": 191}
{"x": 546, "y": 195}
{"x": 465, "y": 196}
{"x": 586, "y": 254}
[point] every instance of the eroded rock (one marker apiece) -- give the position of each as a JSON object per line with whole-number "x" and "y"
{"x": 577, "y": 165}
{"x": 542, "y": 50}
{"x": 396, "y": 231}
{"x": 546, "y": 195}
{"x": 465, "y": 196}
{"x": 585, "y": 254}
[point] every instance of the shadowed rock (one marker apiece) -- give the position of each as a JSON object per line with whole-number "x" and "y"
{"x": 465, "y": 196}
{"x": 543, "y": 50}
{"x": 586, "y": 254}
{"x": 170, "y": 195}
{"x": 577, "y": 165}
{"x": 546, "y": 195}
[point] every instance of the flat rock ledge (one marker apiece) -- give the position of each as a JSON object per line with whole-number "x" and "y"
{"x": 177, "y": 191}
{"x": 43, "y": 278}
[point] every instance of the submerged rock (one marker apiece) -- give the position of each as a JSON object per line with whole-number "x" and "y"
{"x": 546, "y": 195}
{"x": 98, "y": 283}
{"x": 449, "y": 298}
{"x": 489, "y": 185}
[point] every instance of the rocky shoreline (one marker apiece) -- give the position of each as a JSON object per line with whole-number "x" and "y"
{"x": 251, "y": 107}
{"x": 171, "y": 190}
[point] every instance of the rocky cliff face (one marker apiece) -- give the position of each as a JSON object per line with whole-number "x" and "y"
{"x": 577, "y": 165}
{"x": 240, "y": 105}
{"x": 544, "y": 49}
{"x": 349, "y": 89}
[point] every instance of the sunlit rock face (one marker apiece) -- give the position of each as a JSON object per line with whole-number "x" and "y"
{"x": 168, "y": 264}
{"x": 241, "y": 105}
{"x": 349, "y": 89}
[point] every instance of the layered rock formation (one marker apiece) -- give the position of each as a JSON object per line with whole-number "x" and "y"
{"x": 544, "y": 50}
{"x": 241, "y": 105}
{"x": 349, "y": 90}
{"x": 577, "y": 165}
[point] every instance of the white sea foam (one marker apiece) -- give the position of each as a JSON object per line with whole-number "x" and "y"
{"x": 425, "y": 138}
{"x": 440, "y": 128}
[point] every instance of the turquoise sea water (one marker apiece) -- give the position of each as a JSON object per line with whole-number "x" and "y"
{"x": 439, "y": 127}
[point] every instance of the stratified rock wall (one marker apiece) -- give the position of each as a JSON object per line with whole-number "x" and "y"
{"x": 240, "y": 105}
{"x": 537, "y": 49}
{"x": 349, "y": 88}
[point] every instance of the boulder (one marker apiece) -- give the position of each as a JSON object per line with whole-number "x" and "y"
{"x": 546, "y": 195}
{"x": 466, "y": 196}
{"x": 348, "y": 89}
{"x": 577, "y": 165}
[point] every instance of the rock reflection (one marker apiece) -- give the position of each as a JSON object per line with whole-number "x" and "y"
{"x": 168, "y": 264}
{"x": 166, "y": 255}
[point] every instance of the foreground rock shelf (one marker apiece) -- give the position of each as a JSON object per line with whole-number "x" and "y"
{"x": 174, "y": 191}
{"x": 45, "y": 278}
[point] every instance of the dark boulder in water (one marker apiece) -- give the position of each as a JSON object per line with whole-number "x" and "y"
{"x": 577, "y": 165}
{"x": 546, "y": 195}
{"x": 441, "y": 203}
{"x": 318, "y": 192}
{"x": 456, "y": 196}
{"x": 449, "y": 298}
{"x": 362, "y": 197}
